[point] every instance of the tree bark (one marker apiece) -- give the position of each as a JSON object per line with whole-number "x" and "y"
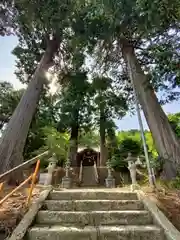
{"x": 165, "y": 139}
{"x": 103, "y": 148}
{"x": 74, "y": 140}
{"x": 13, "y": 140}
{"x": 111, "y": 144}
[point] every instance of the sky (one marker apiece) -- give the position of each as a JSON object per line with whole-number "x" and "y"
{"x": 7, "y": 68}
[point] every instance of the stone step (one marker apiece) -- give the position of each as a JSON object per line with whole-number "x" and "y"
{"x": 94, "y": 218}
{"x": 58, "y": 232}
{"x": 92, "y": 195}
{"x": 90, "y": 205}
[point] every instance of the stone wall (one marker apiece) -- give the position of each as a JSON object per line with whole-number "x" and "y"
{"x": 103, "y": 172}
{"x": 59, "y": 173}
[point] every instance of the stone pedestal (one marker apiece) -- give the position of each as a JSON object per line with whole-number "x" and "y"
{"x": 132, "y": 170}
{"x": 66, "y": 182}
{"x": 110, "y": 182}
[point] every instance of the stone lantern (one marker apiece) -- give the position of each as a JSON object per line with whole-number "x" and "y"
{"x": 51, "y": 166}
{"x": 66, "y": 180}
{"x": 132, "y": 169}
{"x": 110, "y": 181}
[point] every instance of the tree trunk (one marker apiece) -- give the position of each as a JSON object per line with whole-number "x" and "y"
{"x": 111, "y": 144}
{"x": 103, "y": 149}
{"x": 13, "y": 141}
{"x": 74, "y": 140}
{"x": 165, "y": 139}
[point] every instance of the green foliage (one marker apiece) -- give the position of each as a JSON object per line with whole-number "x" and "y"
{"x": 98, "y": 28}
{"x": 174, "y": 120}
{"x": 108, "y": 104}
{"x": 40, "y": 21}
{"x": 89, "y": 139}
{"x": 107, "y": 98}
{"x": 46, "y": 115}
{"x": 130, "y": 141}
{"x": 126, "y": 145}
{"x": 7, "y": 17}
{"x": 130, "y": 145}
{"x": 118, "y": 163}
{"x": 151, "y": 145}
{"x": 57, "y": 143}
{"x": 161, "y": 58}
{"x": 135, "y": 135}
{"x": 74, "y": 101}
{"x": 112, "y": 143}
{"x": 150, "y": 27}
{"x": 156, "y": 163}
{"x": 175, "y": 183}
{"x": 9, "y": 98}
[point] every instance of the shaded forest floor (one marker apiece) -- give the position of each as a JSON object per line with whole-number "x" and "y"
{"x": 13, "y": 209}
{"x": 168, "y": 202}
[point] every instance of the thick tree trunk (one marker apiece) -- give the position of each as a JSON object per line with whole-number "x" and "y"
{"x": 111, "y": 144}
{"x": 165, "y": 139}
{"x": 74, "y": 140}
{"x": 103, "y": 148}
{"x": 13, "y": 141}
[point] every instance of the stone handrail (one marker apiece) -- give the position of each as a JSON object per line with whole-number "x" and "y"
{"x": 21, "y": 229}
{"x": 96, "y": 172}
{"x": 22, "y": 166}
{"x": 81, "y": 173}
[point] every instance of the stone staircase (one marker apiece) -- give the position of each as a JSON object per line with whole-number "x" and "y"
{"x": 94, "y": 214}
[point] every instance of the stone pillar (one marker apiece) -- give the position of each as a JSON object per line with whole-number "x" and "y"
{"x": 52, "y": 165}
{"x": 80, "y": 173}
{"x": 110, "y": 181}
{"x": 132, "y": 169}
{"x": 66, "y": 180}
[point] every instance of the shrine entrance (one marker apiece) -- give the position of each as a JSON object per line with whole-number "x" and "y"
{"x": 87, "y": 157}
{"x": 87, "y": 161}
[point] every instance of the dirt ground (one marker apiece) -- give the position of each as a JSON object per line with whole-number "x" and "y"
{"x": 168, "y": 202}
{"x": 13, "y": 209}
